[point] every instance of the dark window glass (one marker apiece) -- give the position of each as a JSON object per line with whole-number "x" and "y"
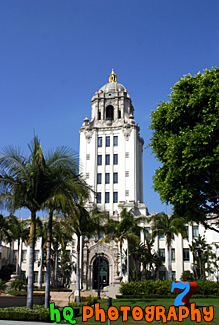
{"x": 115, "y": 197}
{"x": 107, "y": 141}
{"x": 99, "y": 178}
{"x": 115, "y": 159}
{"x": 107, "y": 197}
{"x": 185, "y": 254}
{"x": 98, "y": 197}
{"x": 173, "y": 254}
{"x": 162, "y": 254}
{"x": 107, "y": 178}
{"x": 99, "y": 160}
{"x": 173, "y": 275}
{"x": 99, "y": 141}
{"x": 195, "y": 232}
{"x": 115, "y": 178}
{"x": 115, "y": 141}
{"x": 107, "y": 159}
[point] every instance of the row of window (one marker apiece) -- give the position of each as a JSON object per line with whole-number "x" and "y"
{"x": 107, "y": 159}
{"x": 107, "y": 178}
{"x": 107, "y": 197}
{"x": 107, "y": 141}
{"x": 162, "y": 275}
{"x": 173, "y": 256}
{"x": 195, "y": 232}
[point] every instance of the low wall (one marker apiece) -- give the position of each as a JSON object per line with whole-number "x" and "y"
{"x": 18, "y": 301}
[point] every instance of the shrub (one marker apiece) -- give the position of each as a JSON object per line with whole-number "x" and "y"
{"x": 38, "y": 313}
{"x": 2, "y": 285}
{"x": 187, "y": 276}
{"x": 160, "y": 288}
{"x": 85, "y": 301}
{"x": 18, "y": 285}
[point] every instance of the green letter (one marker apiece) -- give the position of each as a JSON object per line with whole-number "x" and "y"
{"x": 69, "y": 316}
{"x": 53, "y": 312}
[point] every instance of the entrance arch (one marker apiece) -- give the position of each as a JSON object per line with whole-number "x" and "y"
{"x": 100, "y": 272}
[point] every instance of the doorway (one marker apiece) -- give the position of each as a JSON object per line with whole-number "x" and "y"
{"x": 100, "y": 272}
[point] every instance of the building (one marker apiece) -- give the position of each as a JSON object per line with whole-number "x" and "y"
{"x": 111, "y": 161}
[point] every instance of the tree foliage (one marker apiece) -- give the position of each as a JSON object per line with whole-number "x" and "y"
{"x": 186, "y": 141}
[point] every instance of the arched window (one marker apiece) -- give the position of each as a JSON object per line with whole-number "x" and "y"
{"x": 110, "y": 113}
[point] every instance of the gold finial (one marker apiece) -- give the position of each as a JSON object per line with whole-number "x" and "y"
{"x": 113, "y": 77}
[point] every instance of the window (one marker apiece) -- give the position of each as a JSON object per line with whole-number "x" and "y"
{"x": 99, "y": 178}
{"x": 127, "y": 155}
{"x": 162, "y": 275}
{"x": 185, "y": 254}
{"x": 99, "y": 142}
{"x": 24, "y": 256}
{"x": 88, "y": 156}
{"x": 187, "y": 230}
{"x": 107, "y": 141}
{"x": 173, "y": 257}
{"x": 161, "y": 236}
{"x": 98, "y": 197}
{"x": 162, "y": 254}
{"x": 109, "y": 113}
{"x": 35, "y": 279}
{"x": 173, "y": 275}
{"x": 99, "y": 115}
{"x": 115, "y": 159}
{"x": 87, "y": 175}
{"x": 127, "y": 174}
{"x": 107, "y": 178}
{"x": 14, "y": 256}
{"x": 107, "y": 197}
{"x": 99, "y": 160}
{"x": 115, "y": 178}
{"x": 115, "y": 141}
{"x": 115, "y": 197}
{"x": 23, "y": 275}
{"x": 127, "y": 193}
{"x": 195, "y": 232}
{"x": 119, "y": 115}
{"x": 36, "y": 255}
{"x": 107, "y": 159}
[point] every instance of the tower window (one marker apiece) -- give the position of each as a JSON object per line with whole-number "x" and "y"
{"x": 107, "y": 178}
{"x": 99, "y": 160}
{"x": 99, "y": 178}
{"x": 88, "y": 156}
{"x": 99, "y": 143}
{"x": 107, "y": 141}
{"x": 107, "y": 197}
{"x": 115, "y": 159}
{"x": 87, "y": 175}
{"x": 109, "y": 113}
{"x": 115, "y": 141}
{"x": 127, "y": 155}
{"x": 115, "y": 197}
{"x": 99, "y": 115}
{"x": 127, "y": 193}
{"x": 98, "y": 197}
{"x": 115, "y": 178}
{"x": 119, "y": 115}
{"x": 107, "y": 159}
{"x": 127, "y": 174}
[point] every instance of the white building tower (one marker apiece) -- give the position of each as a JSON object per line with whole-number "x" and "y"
{"x": 111, "y": 160}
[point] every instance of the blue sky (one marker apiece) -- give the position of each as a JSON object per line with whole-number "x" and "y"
{"x": 55, "y": 54}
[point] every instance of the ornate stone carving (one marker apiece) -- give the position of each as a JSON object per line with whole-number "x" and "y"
{"x": 88, "y": 135}
{"x": 127, "y": 131}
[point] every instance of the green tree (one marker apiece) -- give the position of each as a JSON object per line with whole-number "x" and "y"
{"x": 31, "y": 181}
{"x": 162, "y": 224}
{"x": 5, "y": 234}
{"x": 186, "y": 141}
{"x": 204, "y": 258}
{"x": 126, "y": 229}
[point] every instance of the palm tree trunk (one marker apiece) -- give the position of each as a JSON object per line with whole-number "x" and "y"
{"x": 128, "y": 260}
{"x": 78, "y": 270}
{"x": 31, "y": 261}
{"x": 169, "y": 264}
{"x": 120, "y": 257}
{"x": 56, "y": 269}
{"x": 20, "y": 256}
{"x": 41, "y": 264}
{"x": 17, "y": 261}
{"x": 48, "y": 256}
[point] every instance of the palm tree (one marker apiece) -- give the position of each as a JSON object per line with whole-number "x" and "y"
{"x": 127, "y": 228}
{"x": 5, "y": 234}
{"x": 41, "y": 233}
{"x": 162, "y": 224}
{"x": 31, "y": 181}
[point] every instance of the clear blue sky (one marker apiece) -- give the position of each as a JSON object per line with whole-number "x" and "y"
{"x": 55, "y": 54}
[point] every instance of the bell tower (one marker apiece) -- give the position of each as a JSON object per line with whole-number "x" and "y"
{"x": 111, "y": 149}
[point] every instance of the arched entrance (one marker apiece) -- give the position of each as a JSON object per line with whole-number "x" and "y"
{"x": 100, "y": 272}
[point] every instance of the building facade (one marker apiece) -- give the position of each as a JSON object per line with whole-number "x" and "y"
{"x": 111, "y": 161}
